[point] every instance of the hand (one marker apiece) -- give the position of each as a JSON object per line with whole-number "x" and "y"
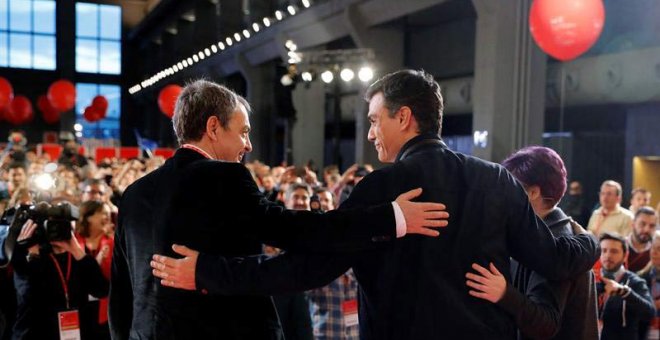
{"x": 26, "y": 231}
{"x": 420, "y": 217}
{"x": 103, "y": 253}
{"x": 614, "y": 288}
{"x": 71, "y": 245}
{"x": 349, "y": 174}
{"x": 490, "y": 285}
{"x": 176, "y": 273}
{"x": 577, "y": 228}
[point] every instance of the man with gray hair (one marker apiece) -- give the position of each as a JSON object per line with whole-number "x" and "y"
{"x": 205, "y": 199}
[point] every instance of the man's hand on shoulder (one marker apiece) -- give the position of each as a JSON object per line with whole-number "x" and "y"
{"x": 176, "y": 273}
{"x": 422, "y": 217}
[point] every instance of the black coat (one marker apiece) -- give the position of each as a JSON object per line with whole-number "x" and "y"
{"x": 414, "y": 288}
{"x": 214, "y": 207}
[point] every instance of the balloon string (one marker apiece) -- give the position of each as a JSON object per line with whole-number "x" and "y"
{"x": 562, "y": 93}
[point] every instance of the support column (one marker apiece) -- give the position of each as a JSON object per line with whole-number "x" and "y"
{"x": 509, "y": 82}
{"x": 388, "y": 46}
{"x": 308, "y": 132}
{"x": 260, "y": 96}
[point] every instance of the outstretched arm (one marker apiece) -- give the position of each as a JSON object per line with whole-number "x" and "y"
{"x": 260, "y": 274}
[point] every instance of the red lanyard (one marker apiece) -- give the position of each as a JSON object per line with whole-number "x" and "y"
{"x": 65, "y": 282}
{"x": 192, "y": 147}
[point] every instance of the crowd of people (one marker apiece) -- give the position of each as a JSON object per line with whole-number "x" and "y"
{"x": 56, "y": 277}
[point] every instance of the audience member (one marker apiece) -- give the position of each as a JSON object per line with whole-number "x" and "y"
{"x": 610, "y": 217}
{"x": 639, "y": 241}
{"x": 639, "y": 197}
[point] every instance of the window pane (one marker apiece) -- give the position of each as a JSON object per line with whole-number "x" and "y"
{"x": 19, "y": 50}
{"x": 44, "y": 17}
{"x": 87, "y": 20}
{"x": 110, "y": 62}
{"x": 4, "y": 55}
{"x": 110, "y": 22}
{"x": 19, "y": 15}
{"x": 44, "y": 52}
{"x": 113, "y": 95}
{"x": 4, "y": 20}
{"x": 87, "y": 55}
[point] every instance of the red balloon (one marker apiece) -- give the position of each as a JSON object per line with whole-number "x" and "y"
{"x": 565, "y": 29}
{"x": 62, "y": 95}
{"x": 92, "y": 114}
{"x": 20, "y": 110}
{"x": 6, "y": 93}
{"x": 167, "y": 99}
{"x": 100, "y": 103}
{"x": 49, "y": 113}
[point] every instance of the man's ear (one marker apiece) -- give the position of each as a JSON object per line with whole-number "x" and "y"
{"x": 534, "y": 192}
{"x": 212, "y": 126}
{"x": 405, "y": 117}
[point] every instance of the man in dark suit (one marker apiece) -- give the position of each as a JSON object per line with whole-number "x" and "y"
{"x": 414, "y": 287}
{"x": 216, "y": 206}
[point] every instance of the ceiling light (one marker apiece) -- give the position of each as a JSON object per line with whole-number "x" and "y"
{"x": 306, "y": 3}
{"x": 214, "y": 49}
{"x": 306, "y": 76}
{"x": 221, "y": 45}
{"x": 266, "y": 22}
{"x": 246, "y": 34}
{"x": 291, "y": 10}
{"x": 237, "y": 37}
{"x": 279, "y": 15}
{"x": 255, "y": 27}
{"x": 229, "y": 42}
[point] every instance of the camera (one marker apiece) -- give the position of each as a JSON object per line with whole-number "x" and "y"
{"x": 53, "y": 221}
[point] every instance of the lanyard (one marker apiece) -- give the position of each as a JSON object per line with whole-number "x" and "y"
{"x": 65, "y": 282}
{"x": 195, "y": 148}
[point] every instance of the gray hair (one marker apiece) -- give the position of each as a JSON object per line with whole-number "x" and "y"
{"x": 200, "y": 100}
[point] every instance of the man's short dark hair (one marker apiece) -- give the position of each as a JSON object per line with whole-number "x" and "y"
{"x": 297, "y": 186}
{"x": 644, "y": 210}
{"x": 17, "y": 165}
{"x": 200, "y": 100}
{"x": 416, "y": 90}
{"x": 614, "y": 237}
{"x": 541, "y": 166}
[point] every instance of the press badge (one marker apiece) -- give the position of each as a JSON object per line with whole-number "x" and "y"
{"x": 69, "y": 323}
{"x": 350, "y": 311}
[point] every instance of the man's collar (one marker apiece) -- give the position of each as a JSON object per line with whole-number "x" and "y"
{"x": 410, "y": 146}
{"x": 197, "y": 149}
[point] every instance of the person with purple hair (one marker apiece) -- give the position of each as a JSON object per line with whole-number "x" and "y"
{"x": 541, "y": 308}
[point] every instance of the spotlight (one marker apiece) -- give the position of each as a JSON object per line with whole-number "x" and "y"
{"x": 207, "y": 52}
{"x": 185, "y": 63}
{"x": 306, "y": 3}
{"x": 214, "y": 49}
{"x": 291, "y": 10}
{"x": 366, "y": 73}
{"x": 195, "y": 58}
{"x": 266, "y": 22}
{"x": 200, "y": 54}
{"x": 237, "y": 37}
{"x": 255, "y": 27}
{"x": 286, "y": 80}
{"x": 180, "y": 65}
{"x": 279, "y": 15}
{"x": 221, "y": 45}
{"x": 347, "y": 74}
{"x": 306, "y": 76}
{"x": 229, "y": 42}
{"x": 190, "y": 61}
{"x": 246, "y": 34}
{"x": 175, "y": 68}
{"x": 327, "y": 77}
{"x": 288, "y": 44}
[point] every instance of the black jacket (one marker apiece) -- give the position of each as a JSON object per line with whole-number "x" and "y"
{"x": 214, "y": 207}
{"x": 623, "y": 317}
{"x": 414, "y": 288}
{"x": 545, "y": 309}
{"x": 40, "y": 295}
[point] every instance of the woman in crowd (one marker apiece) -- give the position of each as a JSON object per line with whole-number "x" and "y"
{"x": 92, "y": 231}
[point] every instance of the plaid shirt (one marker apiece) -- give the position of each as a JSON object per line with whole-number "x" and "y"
{"x": 325, "y": 308}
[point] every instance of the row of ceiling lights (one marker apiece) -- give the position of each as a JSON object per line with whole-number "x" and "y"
{"x": 215, "y": 48}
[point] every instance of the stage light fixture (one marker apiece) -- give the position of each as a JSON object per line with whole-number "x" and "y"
{"x": 246, "y": 34}
{"x": 255, "y": 27}
{"x": 229, "y": 41}
{"x": 214, "y": 49}
{"x": 306, "y": 3}
{"x": 195, "y": 58}
{"x": 279, "y": 15}
{"x": 327, "y": 77}
{"x": 286, "y": 80}
{"x": 266, "y": 22}
{"x": 207, "y": 52}
{"x": 291, "y": 10}
{"x": 307, "y": 76}
{"x": 366, "y": 73}
{"x": 347, "y": 74}
{"x": 221, "y": 45}
{"x": 237, "y": 37}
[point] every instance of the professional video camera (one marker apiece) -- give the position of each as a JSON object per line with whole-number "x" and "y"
{"x": 53, "y": 222}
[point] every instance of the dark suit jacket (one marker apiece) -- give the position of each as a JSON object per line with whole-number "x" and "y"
{"x": 414, "y": 288}
{"x": 214, "y": 207}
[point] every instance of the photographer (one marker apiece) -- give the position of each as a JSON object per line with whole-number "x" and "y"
{"x": 52, "y": 284}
